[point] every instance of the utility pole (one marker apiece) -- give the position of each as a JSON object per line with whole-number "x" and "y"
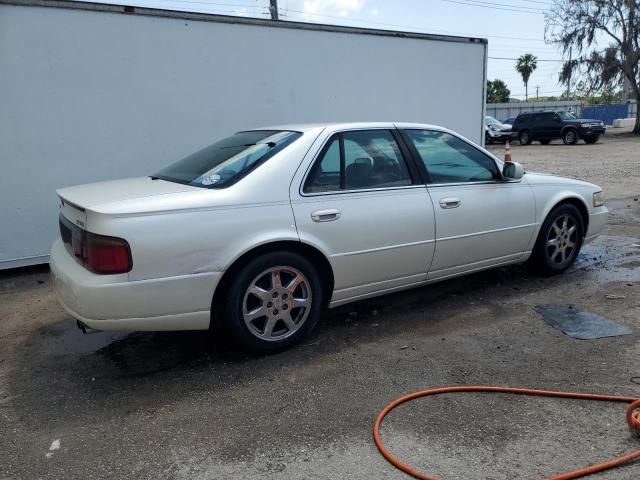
{"x": 537, "y": 90}
{"x": 273, "y": 8}
{"x": 569, "y": 80}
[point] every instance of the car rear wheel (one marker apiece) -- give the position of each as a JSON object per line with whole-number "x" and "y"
{"x": 525, "y": 138}
{"x": 592, "y": 138}
{"x": 559, "y": 240}
{"x": 570, "y": 137}
{"x": 274, "y": 302}
{"x": 545, "y": 141}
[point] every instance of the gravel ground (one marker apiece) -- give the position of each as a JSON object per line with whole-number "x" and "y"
{"x": 613, "y": 162}
{"x": 184, "y": 406}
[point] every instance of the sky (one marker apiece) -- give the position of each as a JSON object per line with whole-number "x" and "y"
{"x": 512, "y": 27}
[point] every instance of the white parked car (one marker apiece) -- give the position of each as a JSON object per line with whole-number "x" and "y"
{"x": 255, "y": 234}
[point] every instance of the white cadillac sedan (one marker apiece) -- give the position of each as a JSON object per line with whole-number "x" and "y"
{"x": 257, "y": 233}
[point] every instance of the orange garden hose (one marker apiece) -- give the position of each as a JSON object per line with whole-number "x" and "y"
{"x": 633, "y": 419}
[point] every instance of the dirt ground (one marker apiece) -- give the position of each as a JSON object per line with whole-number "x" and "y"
{"x": 185, "y": 406}
{"x": 613, "y": 162}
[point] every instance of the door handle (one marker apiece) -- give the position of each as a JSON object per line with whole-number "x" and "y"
{"x": 450, "y": 202}
{"x": 328, "y": 215}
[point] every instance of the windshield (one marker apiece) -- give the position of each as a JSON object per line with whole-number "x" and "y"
{"x": 227, "y": 161}
{"x": 567, "y": 116}
{"x": 491, "y": 120}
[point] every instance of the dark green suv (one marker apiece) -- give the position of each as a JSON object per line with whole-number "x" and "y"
{"x": 547, "y": 126}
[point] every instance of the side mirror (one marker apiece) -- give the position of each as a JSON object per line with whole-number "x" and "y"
{"x": 512, "y": 170}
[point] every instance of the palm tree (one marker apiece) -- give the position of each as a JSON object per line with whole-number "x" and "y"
{"x": 525, "y": 66}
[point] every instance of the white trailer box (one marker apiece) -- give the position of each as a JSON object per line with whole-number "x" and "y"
{"x": 94, "y": 92}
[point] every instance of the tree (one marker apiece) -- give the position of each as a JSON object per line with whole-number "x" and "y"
{"x": 525, "y": 66}
{"x": 497, "y": 91}
{"x": 576, "y": 25}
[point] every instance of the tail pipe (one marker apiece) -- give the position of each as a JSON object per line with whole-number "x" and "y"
{"x": 85, "y": 329}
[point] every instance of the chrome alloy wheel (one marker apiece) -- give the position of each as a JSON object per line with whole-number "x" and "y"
{"x": 277, "y": 303}
{"x": 562, "y": 240}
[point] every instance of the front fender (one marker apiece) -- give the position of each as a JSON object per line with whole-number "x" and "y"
{"x": 567, "y": 127}
{"x": 545, "y": 205}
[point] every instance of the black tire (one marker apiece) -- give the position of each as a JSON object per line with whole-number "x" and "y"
{"x": 525, "y": 137}
{"x": 545, "y": 141}
{"x": 545, "y": 257}
{"x": 233, "y": 319}
{"x": 591, "y": 139}
{"x": 570, "y": 136}
{"x": 487, "y": 139}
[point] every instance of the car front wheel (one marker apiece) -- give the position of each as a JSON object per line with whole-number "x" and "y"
{"x": 559, "y": 240}
{"x": 274, "y": 302}
{"x": 570, "y": 137}
{"x": 525, "y": 138}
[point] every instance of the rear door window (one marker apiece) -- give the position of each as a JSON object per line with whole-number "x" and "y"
{"x": 359, "y": 160}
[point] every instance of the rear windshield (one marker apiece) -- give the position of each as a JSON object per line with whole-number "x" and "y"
{"x": 227, "y": 161}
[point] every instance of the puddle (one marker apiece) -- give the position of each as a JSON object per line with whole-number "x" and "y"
{"x": 610, "y": 259}
{"x": 65, "y": 338}
{"x": 141, "y": 354}
{"x": 119, "y": 354}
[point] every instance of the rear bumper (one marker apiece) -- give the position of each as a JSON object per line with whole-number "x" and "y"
{"x": 112, "y": 302}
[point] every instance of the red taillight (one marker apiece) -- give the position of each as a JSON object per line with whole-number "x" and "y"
{"x": 106, "y": 254}
{"x": 99, "y": 253}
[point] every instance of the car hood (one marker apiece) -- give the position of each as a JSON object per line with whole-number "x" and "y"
{"x": 575, "y": 121}
{"x": 502, "y": 128}
{"x": 93, "y": 194}
{"x": 549, "y": 178}
{"x": 590, "y": 120}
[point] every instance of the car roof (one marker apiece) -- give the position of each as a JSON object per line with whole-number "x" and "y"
{"x": 307, "y": 127}
{"x": 542, "y": 111}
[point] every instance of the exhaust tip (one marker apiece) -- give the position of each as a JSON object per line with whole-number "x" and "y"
{"x": 85, "y": 329}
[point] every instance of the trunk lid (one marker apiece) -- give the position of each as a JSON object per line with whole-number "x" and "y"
{"x": 76, "y": 199}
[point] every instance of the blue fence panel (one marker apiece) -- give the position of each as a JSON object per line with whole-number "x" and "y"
{"x": 606, "y": 113}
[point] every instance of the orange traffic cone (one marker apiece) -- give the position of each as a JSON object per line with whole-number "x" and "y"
{"x": 507, "y": 152}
